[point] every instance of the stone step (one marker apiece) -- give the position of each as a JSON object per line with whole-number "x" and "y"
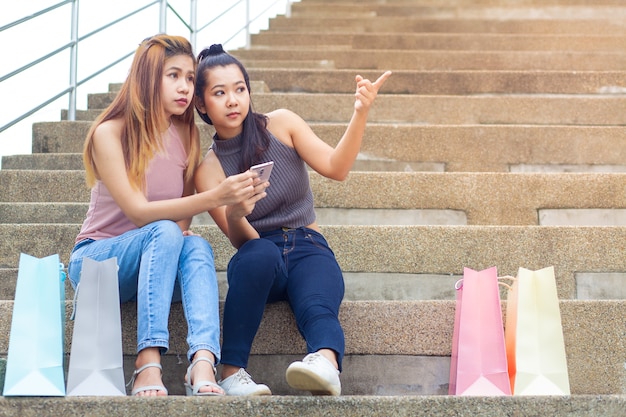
{"x": 74, "y": 213}
{"x": 45, "y": 161}
{"x": 436, "y": 250}
{"x": 448, "y": 82}
{"x": 410, "y": 339}
{"x": 611, "y": 10}
{"x": 521, "y": 109}
{"x": 390, "y": 286}
{"x": 403, "y": 147}
{"x": 481, "y": 198}
{"x": 444, "y": 41}
{"x": 397, "y": 361}
{"x": 43, "y": 212}
{"x": 368, "y": 286}
{"x": 308, "y": 406}
{"x": 74, "y": 161}
{"x": 267, "y": 63}
{"x": 467, "y": 4}
{"x": 429, "y": 60}
{"x": 444, "y": 82}
{"x": 417, "y": 24}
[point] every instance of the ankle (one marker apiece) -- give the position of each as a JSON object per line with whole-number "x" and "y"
{"x": 330, "y": 355}
{"x": 148, "y": 355}
{"x": 203, "y": 353}
{"x": 228, "y": 370}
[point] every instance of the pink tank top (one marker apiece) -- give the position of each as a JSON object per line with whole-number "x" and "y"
{"x": 164, "y": 180}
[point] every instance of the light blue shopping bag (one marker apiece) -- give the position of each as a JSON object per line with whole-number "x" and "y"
{"x": 35, "y": 359}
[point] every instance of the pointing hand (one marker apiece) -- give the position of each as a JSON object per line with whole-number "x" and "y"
{"x": 366, "y": 91}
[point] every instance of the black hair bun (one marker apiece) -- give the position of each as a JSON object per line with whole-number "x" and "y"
{"x": 216, "y": 49}
{"x": 213, "y": 50}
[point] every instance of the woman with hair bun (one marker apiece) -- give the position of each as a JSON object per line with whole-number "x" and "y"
{"x": 281, "y": 252}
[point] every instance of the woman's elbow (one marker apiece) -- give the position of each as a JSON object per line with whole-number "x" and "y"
{"x": 338, "y": 175}
{"x": 137, "y": 218}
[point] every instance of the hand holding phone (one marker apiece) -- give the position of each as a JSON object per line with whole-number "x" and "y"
{"x": 264, "y": 170}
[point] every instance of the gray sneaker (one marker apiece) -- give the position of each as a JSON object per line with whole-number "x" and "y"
{"x": 314, "y": 373}
{"x": 241, "y": 383}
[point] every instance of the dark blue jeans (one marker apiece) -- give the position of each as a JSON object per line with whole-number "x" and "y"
{"x": 294, "y": 265}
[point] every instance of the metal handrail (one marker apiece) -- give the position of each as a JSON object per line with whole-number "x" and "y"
{"x": 164, "y": 7}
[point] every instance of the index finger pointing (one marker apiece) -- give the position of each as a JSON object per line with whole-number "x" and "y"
{"x": 381, "y": 80}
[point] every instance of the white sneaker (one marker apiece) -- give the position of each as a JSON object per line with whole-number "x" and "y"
{"x": 314, "y": 373}
{"x": 241, "y": 383}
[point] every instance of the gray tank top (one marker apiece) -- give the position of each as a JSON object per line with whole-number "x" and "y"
{"x": 289, "y": 200}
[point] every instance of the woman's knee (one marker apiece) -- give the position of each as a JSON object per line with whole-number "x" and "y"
{"x": 167, "y": 232}
{"x": 255, "y": 259}
{"x": 259, "y": 251}
{"x": 197, "y": 246}
{"x": 259, "y": 254}
{"x": 166, "y": 227}
{"x": 198, "y": 242}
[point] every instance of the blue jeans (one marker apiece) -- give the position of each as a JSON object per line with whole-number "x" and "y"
{"x": 295, "y": 265}
{"x": 151, "y": 260}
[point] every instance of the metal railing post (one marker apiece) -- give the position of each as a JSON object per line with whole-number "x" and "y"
{"x": 247, "y": 24}
{"x": 163, "y": 16}
{"x": 193, "y": 24}
{"x": 72, "y": 46}
{"x": 71, "y": 112}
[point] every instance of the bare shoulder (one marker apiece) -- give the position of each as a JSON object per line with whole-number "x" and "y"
{"x": 108, "y": 128}
{"x": 281, "y": 116}
{"x": 210, "y": 172}
{"x": 107, "y": 153}
{"x": 210, "y": 159}
{"x": 108, "y": 134}
{"x": 284, "y": 124}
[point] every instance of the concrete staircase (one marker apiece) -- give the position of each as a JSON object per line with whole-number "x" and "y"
{"x": 499, "y": 140}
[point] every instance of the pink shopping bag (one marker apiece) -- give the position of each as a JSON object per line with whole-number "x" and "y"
{"x": 478, "y": 364}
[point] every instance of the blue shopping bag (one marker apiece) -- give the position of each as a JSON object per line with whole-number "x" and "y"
{"x": 35, "y": 359}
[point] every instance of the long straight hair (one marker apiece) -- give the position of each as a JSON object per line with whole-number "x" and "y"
{"x": 140, "y": 105}
{"x": 255, "y": 136}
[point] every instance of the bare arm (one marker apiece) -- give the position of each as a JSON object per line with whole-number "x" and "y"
{"x": 231, "y": 219}
{"x": 331, "y": 162}
{"x": 185, "y": 223}
{"x": 111, "y": 169}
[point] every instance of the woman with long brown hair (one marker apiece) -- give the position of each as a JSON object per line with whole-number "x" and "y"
{"x": 140, "y": 157}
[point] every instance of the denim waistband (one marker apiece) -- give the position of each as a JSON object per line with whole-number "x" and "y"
{"x": 82, "y": 243}
{"x": 283, "y": 230}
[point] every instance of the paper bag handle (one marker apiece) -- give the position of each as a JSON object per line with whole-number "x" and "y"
{"x": 459, "y": 284}
{"x": 506, "y": 277}
{"x": 73, "y": 315}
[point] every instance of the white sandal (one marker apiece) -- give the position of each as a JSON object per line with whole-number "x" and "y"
{"x": 193, "y": 389}
{"x": 147, "y": 387}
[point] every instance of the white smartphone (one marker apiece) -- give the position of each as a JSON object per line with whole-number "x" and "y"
{"x": 264, "y": 170}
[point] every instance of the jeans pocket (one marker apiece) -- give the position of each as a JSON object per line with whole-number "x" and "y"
{"x": 317, "y": 239}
